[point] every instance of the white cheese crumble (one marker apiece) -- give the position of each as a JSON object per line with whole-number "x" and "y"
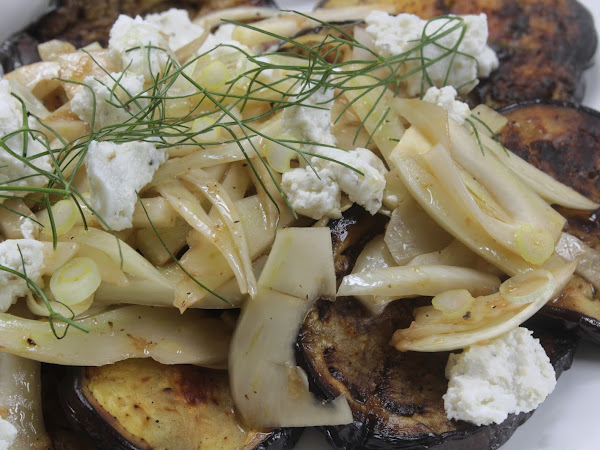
{"x": 116, "y": 172}
{"x": 118, "y": 89}
{"x": 8, "y": 434}
{"x": 139, "y": 45}
{"x": 311, "y": 120}
{"x": 446, "y": 97}
{"x": 11, "y": 168}
{"x": 176, "y": 24}
{"x": 311, "y": 195}
{"x": 394, "y": 35}
{"x": 29, "y": 228}
{"x": 511, "y": 374}
{"x": 28, "y": 261}
{"x": 315, "y": 191}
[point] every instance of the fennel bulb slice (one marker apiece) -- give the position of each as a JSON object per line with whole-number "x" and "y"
{"x": 268, "y": 389}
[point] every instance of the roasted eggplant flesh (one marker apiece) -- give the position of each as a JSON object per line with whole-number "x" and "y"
{"x": 563, "y": 140}
{"x": 141, "y": 404}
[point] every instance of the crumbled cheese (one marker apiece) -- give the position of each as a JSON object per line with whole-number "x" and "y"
{"x": 223, "y": 39}
{"x": 29, "y": 228}
{"x": 511, "y": 374}
{"x": 138, "y": 42}
{"x": 366, "y": 189}
{"x": 176, "y": 24}
{"x": 8, "y": 434}
{"x": 311, "y": 195}
{"x": 446, "y": 97}
{"x": 117, "y": 89}
{"x": 311, "y": 121}
{"x": 11, "y": 168}
{"x": 28, "y": 261}
{"x": 394, "y": 35}
{"x": 116, "y": 172}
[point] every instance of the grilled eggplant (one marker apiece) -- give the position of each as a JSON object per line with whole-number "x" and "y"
{"x": 84, "y": 22}
{"x": 396, "y": 397}
{"x": 548, "y": 41}
{"x": 563, "y": 140}
{"x": 141, "y": 404}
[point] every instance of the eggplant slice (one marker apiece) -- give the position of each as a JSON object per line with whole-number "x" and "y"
{"x": 141, "y": 404}
{"x": 396, "y": 397}
{"x": 563, "y": 140}
{"x": 543, "y": 45}
{"x": 84, "y": 22}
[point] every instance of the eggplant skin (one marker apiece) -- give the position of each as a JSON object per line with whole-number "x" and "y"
{"x": 563, "y": 140}
{"x": 395, "y": 397}
{"x": 84, "y": 22}
{"x": 543, "y": 46}
{"x": 142, "y": 404}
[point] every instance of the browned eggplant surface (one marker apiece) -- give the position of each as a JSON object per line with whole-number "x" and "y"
{"x": 141, "y": 404}
{"x": 563, "y": 140}
{"x": 82, "y": 22}
{"x": 549, "y": 41}
{"x": 396, "y": 397}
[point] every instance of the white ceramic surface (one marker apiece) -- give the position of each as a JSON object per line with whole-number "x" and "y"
{"x": 569, "y": 417}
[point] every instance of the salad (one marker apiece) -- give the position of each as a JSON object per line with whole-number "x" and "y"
{"x": 194, "y": 148}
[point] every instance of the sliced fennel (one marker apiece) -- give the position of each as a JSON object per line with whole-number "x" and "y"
{"x": 488, "y": 317}
{"x": 301, "y": 264}
{"x": 411, "y": 281}
{"x": 588, "y": 258}
{"x": 453, "y": 303}
{"x": 122, "y": 254}
{"x": 129, "y": 332}
{"x": 484, "y": 213}
{"x": 375, "y": 255}
{"x": 551, "y": 190}
{"x": 412, "y": 232}
{"x": 527, "y": 287}
{"x": 268, "y": 389}
{"x": 75, "y": 281}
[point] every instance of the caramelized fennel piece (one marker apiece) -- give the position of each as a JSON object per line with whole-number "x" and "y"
{"x": 489, "y": 316}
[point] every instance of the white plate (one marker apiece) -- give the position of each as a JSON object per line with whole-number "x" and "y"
{"x": 569, "y": 417}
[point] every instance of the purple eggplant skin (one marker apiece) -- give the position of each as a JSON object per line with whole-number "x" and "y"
{"x": 563, "y": 140}
{"x": 366, "y": 430}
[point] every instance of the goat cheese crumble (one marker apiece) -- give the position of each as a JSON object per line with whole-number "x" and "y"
{"x": 139, "y": 45}
{"x": 116, "y": 173}
{"x": 176, "y": 24}
{"x": 394, "y": 35}
{"x": 8, "y": 434}
{"x": 446, "y": 97}
{"x": 12, "y": 168}
{"x": 315, "y": 191}
{"x": 24, "y": 256}
{"x": 511, "y": 374}
{"x": 118, "y": 88}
